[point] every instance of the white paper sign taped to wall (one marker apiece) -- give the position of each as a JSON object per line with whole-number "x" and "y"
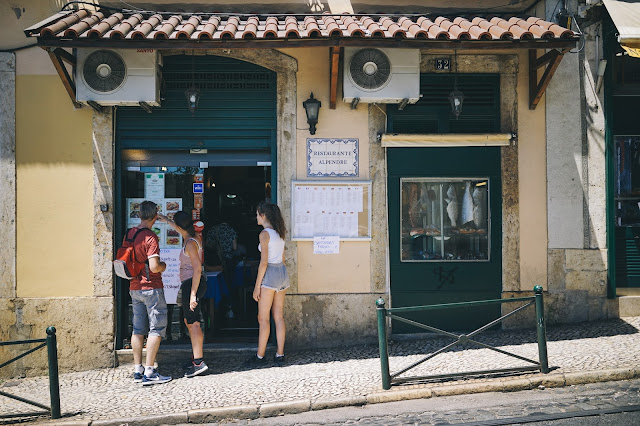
{"x": 326, "y": 245}
{"x": 171, "y": 275}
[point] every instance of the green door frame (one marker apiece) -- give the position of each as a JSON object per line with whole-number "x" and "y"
{"x": 609, "y": 42}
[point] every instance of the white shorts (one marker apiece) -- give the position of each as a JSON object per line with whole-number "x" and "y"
{"x": 276, "y": 278}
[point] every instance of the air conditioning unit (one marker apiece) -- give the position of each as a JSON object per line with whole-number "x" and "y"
{"x": 118, "y": 76}
{"x": 381, "y": 75}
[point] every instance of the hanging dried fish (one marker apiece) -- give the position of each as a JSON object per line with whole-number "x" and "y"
{"x": 467, "y": 205}
{"x": 480, "y": 206}
{"x": 453, "y": 208}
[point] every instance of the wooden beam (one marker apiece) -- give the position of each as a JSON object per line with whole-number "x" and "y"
{"x": 334, "y": 58}
{"x": 56, "y": 58}
{"x": 546, "y": 58}
{"x": 65, "y": 56}
{"x": 537, "y": 89}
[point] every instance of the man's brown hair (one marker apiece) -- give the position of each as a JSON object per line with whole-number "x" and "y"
{"x": 148, "y": 210}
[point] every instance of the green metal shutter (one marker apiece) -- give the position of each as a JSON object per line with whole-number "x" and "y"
{"x": 237, "y": 108}
{"x": 432, "y": 113}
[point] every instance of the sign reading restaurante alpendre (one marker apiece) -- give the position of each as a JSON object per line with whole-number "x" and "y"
{"x": 332, "y": 157}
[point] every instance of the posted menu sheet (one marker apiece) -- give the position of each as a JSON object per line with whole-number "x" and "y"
{"x": 327, "y": 210}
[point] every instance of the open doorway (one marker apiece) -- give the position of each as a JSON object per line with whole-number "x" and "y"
{"x": 231, "y": 196}
{"x": 223, "y": 195}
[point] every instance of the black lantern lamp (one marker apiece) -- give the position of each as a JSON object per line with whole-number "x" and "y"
{"x": 312, "y": 107}
{"x": 193, "y": 97}
{"x": 192, "y": 93}
{"x": 456, "y": 98}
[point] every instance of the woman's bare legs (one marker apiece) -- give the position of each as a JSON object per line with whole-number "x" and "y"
{"x": 278, "y": 317}
{"x": 197, "y": 339}
{"x": 264, "y": 308}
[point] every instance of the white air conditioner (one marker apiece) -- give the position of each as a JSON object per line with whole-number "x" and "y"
{"x": 118, "y": 76}
{"x": 381, "y": 75}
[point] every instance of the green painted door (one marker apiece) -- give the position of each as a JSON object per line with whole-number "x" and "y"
{"x": 445, "y": 205}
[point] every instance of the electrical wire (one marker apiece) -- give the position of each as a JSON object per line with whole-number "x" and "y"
{"x": 15, "y": 49}
{"x": 582, "y": 37}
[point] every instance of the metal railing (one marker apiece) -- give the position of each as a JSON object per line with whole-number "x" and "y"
{"x": 54, "y": 387}
{"x": 388, "y": 379}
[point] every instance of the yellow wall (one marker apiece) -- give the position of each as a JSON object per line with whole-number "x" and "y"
{"x": 54, "y": 167}
{"x": 349, "y": 271}
{"x": 532, "y": 173}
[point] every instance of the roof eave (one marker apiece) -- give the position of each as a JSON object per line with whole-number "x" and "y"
{"x": 164, "y": 44}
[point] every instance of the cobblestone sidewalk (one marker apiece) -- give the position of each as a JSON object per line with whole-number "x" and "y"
{"x": 312, "y": 379}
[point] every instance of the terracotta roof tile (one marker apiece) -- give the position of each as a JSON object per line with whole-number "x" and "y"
{"x": 130, "y": 25}
{"x": 123, "y": 28}
{"x": 141, "y": 31}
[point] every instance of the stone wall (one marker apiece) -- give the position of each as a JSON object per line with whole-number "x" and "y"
{"x": 83, "y": 327}
{"x": 330, "y": 320}
{"x": 8, "y": 175}
{"x": 577, "y": 286}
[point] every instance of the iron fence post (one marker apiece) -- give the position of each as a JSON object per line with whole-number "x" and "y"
{"x": 542, "y": 330}
{"x": 54, "y": 386}
{"x": 383, "y": 344}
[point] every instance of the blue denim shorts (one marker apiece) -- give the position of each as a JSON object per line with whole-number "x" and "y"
{"x": 149, "y": 312}
{"x": 276, "y": 278}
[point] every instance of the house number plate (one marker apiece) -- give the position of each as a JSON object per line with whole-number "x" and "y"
{"x": 443, "y": 64}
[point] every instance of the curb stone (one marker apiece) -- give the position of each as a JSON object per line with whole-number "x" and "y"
{"x": 351, "y": 401}
{"x": 517, "y": 385}
{"x": 242, "y": 412}
{"x": 398, "y": 395}
{"x": 167, "y": 419}
{"x": 273, "y": 409}
{"x": 64, "y": 422}
{"x": 208, "y": 415}
{"x": 600, "y": 376}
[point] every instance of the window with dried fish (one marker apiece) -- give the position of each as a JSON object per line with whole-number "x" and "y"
{"x": 444, "y": 219}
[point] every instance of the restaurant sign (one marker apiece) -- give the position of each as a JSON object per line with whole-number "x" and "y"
{"x": 332, "y": 157}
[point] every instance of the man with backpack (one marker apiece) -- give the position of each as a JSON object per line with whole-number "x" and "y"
{"x": 147, "y": 296}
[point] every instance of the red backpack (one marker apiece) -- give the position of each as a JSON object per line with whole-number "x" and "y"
{"x": 125, "y": 264}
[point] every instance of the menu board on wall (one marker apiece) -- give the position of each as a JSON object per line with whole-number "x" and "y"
{"x": 340, "y": 209}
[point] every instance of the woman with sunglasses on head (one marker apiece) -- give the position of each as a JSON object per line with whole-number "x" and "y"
{"x": 194, "y": 286}
{"x": 272, "y": 281}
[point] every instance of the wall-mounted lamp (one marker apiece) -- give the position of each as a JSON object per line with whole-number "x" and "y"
{"x": 312, "y": 107}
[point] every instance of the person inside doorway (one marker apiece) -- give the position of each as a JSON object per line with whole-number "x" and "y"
{"x": 272, "y": 281}
{"x": 223, "y": 240}
{"x": 193, "y": 288}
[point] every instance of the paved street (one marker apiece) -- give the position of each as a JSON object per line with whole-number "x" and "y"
{"x": 316, "y": 379}
{"x": 579, "y": 402}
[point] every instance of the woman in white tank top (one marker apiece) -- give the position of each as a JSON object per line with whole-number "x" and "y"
{"x": 272, "y": 281}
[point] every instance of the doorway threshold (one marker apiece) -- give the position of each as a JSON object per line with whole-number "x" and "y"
{"x": 171, "y": 353}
